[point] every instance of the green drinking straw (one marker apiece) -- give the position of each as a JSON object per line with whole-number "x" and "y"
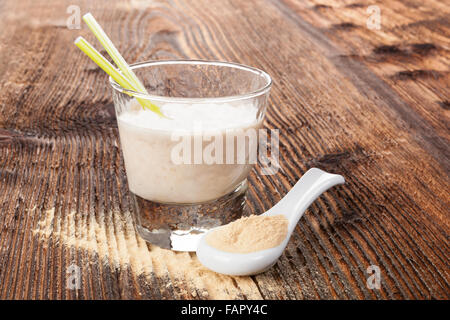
{"x": 127, "y": 72}
{"x": 106, "y": 66}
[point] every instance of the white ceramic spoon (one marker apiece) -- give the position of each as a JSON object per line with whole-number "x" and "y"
{"x": 311, "y": 185}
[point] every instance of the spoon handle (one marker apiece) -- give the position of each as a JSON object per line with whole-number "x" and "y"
{"x": 310, "y": 186}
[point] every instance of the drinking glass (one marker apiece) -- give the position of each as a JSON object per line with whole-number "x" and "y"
{"x": 179, "y": 195}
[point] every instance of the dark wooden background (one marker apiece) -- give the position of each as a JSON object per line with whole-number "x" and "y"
{"x": 372, "y": 105}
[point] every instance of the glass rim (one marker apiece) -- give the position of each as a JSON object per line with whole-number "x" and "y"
{"x": 252, "y": 94}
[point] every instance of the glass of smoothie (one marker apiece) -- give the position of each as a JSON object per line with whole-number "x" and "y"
{"x": 187, "y": 170}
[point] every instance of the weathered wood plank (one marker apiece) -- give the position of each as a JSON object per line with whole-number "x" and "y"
{"x": 369, "y": 104}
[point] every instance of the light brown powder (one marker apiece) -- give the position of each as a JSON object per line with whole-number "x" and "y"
{"x": 250, "y": 234}
{"x": 111, "y": 239}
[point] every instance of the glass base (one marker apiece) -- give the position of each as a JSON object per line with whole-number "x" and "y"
{"x": 179, "y": 227}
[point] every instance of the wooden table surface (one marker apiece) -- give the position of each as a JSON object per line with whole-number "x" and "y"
{"x": 372, "y": 105}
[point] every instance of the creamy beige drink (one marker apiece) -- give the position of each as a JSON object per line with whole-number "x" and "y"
{"x": 195, "y": 155}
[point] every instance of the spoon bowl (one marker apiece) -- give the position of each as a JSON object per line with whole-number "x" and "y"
{"x": 311, "y": 185}
{"x": 238, "y": 264}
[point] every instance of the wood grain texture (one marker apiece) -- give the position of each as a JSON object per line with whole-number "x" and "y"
{"x": 372, "y": 105}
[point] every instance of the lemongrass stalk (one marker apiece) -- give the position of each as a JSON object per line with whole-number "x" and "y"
{"x": 101, "y": 61}
{"x": 112, "y": 51}
{"x": 106, "y": 66}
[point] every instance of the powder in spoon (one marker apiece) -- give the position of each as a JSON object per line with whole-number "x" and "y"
{"x": 249, "y": 234}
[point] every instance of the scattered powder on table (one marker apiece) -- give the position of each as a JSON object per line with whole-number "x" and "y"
{"x": 249, "y": 234}
{"x": 119, "y": 247}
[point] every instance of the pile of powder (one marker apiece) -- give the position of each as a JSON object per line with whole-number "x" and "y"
{"x": 249, "y": 234}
